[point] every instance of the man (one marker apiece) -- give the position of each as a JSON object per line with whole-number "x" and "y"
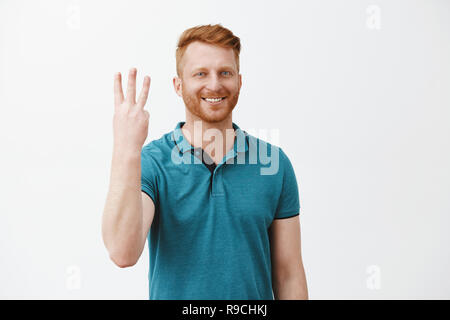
{"x": 222, "y": 223}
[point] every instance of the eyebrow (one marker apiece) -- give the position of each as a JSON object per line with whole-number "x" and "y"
{"x": 204, "y": 68}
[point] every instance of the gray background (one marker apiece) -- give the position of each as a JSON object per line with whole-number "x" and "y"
{"x": 358, "y": 92}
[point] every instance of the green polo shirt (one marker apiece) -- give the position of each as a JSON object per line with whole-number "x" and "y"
{"x": 209, "y": 236}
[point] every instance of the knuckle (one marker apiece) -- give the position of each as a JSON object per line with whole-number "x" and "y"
{"x": 133, "y": 114}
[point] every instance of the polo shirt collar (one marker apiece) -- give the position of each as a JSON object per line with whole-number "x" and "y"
{"x": 240, "y": 143}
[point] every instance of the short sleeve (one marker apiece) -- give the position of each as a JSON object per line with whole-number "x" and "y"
{"x": 289, "y": 202}
{"x": 148, "y": 175}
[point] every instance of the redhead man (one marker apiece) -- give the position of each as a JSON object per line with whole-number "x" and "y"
{"x": 218, "y": 206}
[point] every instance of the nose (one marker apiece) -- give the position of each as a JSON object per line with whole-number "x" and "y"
{"x": 213, "y": 83}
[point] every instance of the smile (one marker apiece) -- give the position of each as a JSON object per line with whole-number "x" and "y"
{"x": 214, "y": 100}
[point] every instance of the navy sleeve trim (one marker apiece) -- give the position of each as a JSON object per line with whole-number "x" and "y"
{"x": 288, "y": 217}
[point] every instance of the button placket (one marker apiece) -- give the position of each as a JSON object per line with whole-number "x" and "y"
{"x": 217, "y": 182}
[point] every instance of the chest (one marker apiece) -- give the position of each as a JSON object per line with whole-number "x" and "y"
{"x": 191, "y": 195}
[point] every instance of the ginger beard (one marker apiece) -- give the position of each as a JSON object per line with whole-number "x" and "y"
{"x": 206, "y": 112}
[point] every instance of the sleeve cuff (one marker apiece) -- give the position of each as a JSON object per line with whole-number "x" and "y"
{"x": 287, "y": 216}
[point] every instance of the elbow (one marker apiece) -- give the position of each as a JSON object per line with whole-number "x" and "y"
{"x": 124, "y": 264}
{"x": 123, "y": 256}
{"x": 122, "y": 261}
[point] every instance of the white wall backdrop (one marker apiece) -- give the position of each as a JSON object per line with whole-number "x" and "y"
{"x": 359, "y": 91}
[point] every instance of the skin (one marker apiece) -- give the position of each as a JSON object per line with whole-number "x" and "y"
{"x": 129, "y": 213}
{"x": 288, "y": 273}
{"x": 209, "y": 71}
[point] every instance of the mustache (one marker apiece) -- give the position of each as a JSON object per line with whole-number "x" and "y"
{"x": 211, "y": 95}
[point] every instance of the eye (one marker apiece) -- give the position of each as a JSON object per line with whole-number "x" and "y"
{"x": 229, "y": 73}
{"x": 199, "y": 73}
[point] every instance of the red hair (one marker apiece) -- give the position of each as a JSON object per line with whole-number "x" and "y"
{"x": 211, "y": 34}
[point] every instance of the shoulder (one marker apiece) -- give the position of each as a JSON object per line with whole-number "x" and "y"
{"x": 256, "y": 144}
{"x": 159, "y": 147}
{"x": 157, "y": 152}
{"x": 268, "y": 154}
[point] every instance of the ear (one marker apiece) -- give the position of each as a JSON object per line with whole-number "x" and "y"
{"x": 177, "y": 85}
{"x": 240, "y": 81}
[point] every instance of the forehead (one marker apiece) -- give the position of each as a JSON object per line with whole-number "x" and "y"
{"x": 204, "y": 55}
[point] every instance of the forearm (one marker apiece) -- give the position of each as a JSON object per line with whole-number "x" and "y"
{"x": 292, "y": 287}
{"x": 122, "y": 217}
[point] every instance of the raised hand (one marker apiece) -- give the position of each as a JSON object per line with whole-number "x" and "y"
{"x": 130, "y": 124}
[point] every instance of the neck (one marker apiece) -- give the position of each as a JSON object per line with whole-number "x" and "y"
{"x": 215, "y": 138}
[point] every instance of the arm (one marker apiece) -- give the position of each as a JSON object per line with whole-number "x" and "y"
{"x": 128, "y": 213}
{"x": 288, "y": 274}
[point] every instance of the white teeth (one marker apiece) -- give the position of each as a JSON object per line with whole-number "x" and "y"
{"x": 213, "y": 100}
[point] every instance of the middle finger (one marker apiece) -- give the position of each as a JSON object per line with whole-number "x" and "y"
{"x": 131, "y": 87}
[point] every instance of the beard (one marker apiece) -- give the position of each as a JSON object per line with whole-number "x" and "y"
{"x": 210, "y": 113}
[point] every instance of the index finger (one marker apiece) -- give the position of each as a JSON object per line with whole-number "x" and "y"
{"x": 118, "y": 92}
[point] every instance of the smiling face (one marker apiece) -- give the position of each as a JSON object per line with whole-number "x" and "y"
{"x": 209, "y": 71}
